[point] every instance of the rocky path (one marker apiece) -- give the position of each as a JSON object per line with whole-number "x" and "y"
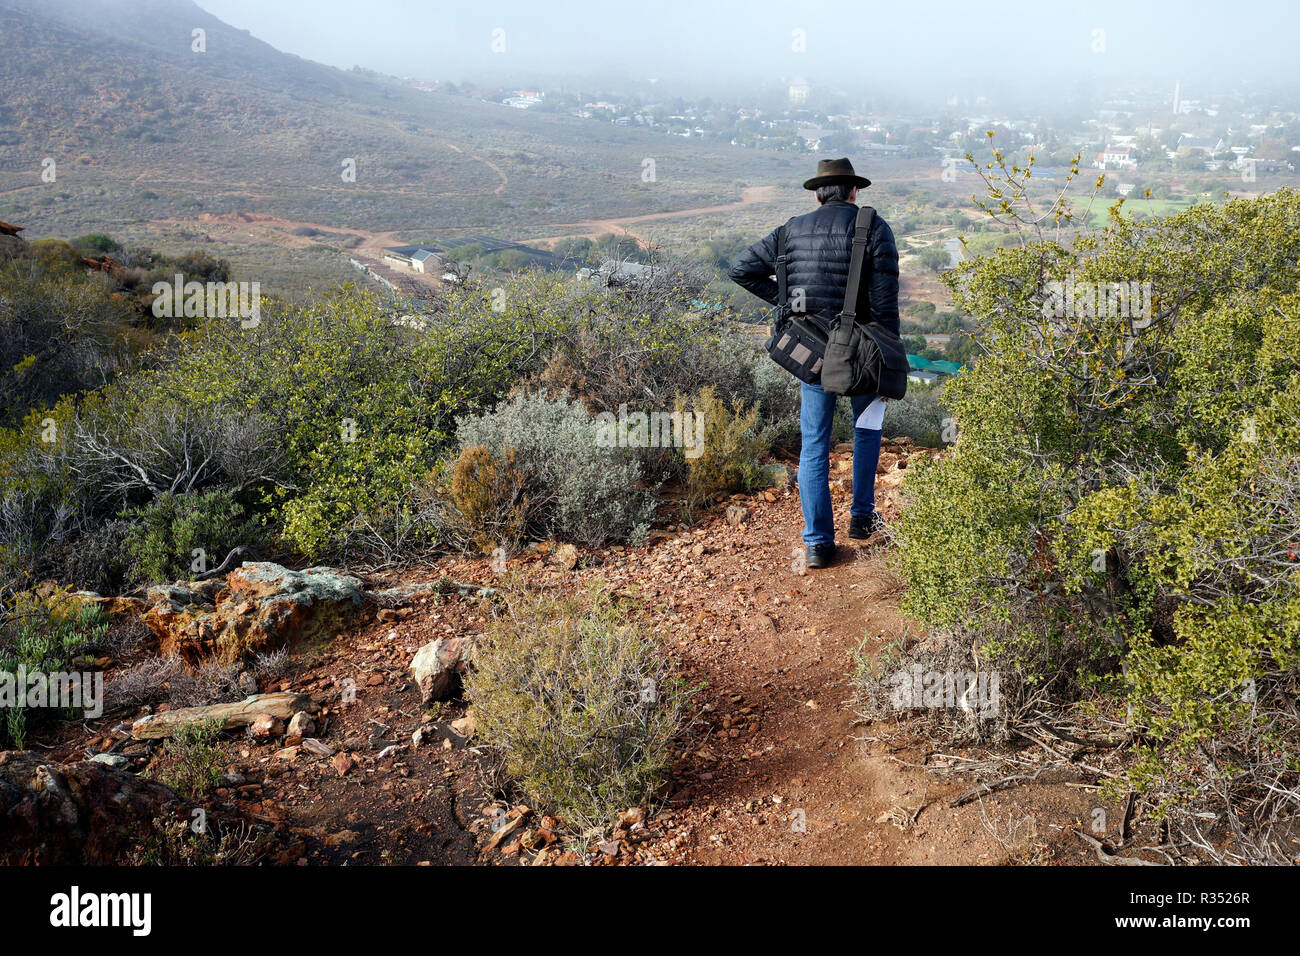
{"x": 773, "y": 768}
{"x": 777, "y": 772}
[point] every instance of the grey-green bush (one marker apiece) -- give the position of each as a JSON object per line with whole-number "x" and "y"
{"x": 578, "y": 490}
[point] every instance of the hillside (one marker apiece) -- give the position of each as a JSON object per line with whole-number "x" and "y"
{"x": 143, "y": 128}
{"x": 513, "y": 574}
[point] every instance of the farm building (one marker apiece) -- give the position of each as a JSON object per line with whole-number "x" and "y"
{"x": 415, "y": 258}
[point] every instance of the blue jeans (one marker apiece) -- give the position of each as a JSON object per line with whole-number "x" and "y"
{"x": 816, "y": 421}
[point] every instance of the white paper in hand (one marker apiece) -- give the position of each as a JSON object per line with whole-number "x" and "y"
{"x": 872, "y": 416}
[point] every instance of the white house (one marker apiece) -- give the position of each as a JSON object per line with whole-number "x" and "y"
{"x": 1115, "y": 157}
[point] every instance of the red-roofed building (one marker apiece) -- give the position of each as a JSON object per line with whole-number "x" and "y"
{"x": 1115, "y": 157}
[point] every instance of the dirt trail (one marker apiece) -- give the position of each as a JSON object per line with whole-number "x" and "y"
{"x": 781, "y": 775}
{"x": 505, "y": 180}
{"x": 776, "y": 771}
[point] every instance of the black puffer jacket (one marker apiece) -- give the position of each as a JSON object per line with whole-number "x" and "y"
{"x": 818, "y": 247}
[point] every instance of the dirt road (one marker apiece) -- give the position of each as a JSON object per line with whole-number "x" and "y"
{"x": 591, "y": 228}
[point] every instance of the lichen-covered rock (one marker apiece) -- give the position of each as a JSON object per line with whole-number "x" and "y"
{"x": 176, "y": 594}
{"x": 262, "y": 607}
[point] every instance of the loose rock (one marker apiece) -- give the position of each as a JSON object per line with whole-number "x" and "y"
{"x": 266, "y": 727}
{"x": 302, "y": 725}
{"x": 439, "y": 666}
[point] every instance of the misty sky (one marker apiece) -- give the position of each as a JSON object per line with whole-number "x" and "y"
{"x": 921, "y": 47}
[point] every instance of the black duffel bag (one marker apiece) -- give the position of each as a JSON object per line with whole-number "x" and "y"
{"x": 862, "y": 358}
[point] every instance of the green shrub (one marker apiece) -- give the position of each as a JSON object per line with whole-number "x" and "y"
{"x": 42, "y": 631}
{"x": 97, "y": 242}
{"x": 727, "y": 460}
{"x": 919, "y": 415}
{"x": 736, "y": 367}
{"x": 60, "y": 333}
{"x": 337, "y": 385}
{"x": 326, "y": 417}
{"x": 176, "y": 536}
{"x": 39, "y": 501}
{"x": 580, "y": 703}
{"x": 617, "y": 351}
{"x": 1124, "y": 493}
{"x": 191, "y": 763}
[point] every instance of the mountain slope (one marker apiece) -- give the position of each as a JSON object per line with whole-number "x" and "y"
{"x": 142, "y": 127}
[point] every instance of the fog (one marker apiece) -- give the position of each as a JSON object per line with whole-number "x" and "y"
{"x": 922, "y": 51}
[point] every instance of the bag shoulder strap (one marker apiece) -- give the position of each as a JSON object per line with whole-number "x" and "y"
{"x": 861, "y": 237}
{"x": 781, "y": 280}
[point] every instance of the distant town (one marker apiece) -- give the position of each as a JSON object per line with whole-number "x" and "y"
{"x": 1127, "y": 130}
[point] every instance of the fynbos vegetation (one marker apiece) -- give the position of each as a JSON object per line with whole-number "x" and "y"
{"x": 1116, "y": 522}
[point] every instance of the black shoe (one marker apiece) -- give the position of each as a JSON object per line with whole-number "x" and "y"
{"x": 865, "y": 527}
{"x": 820, "y": 555}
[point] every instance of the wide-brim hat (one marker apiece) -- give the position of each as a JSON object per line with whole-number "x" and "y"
{"x": 836, "y": 172}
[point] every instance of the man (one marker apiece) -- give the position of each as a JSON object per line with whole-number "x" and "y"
{"x": 818, "y": 249}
